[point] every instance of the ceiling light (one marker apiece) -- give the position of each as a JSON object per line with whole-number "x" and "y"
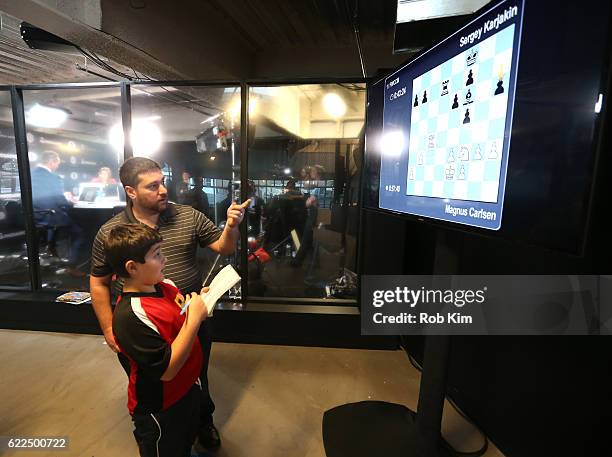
{"x": 46, "y": 116}
{"x": 287, "y": 171}
{"x": 145, "y": 138}
{"x": 334, "y": 105}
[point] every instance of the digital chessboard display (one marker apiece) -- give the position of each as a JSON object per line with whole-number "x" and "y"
{"x": 447, "y": 124}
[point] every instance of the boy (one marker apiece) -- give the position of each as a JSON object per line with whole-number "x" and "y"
{"x": 161, "y": 344}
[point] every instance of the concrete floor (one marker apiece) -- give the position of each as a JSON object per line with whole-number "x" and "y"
{"x": 270, "y": 399}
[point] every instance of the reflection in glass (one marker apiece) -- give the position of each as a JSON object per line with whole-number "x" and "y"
{"x": 304, "y": 161}
{"x": 13, "y": 250}
{"x": 74, "y": 169}
{"x": 193, "y": 133}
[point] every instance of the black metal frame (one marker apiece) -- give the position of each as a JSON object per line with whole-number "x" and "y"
{"x": 244, "y": 187}
{"x": 16, "y": 92}
{"x": 126, "y": 120}
{"x": 25, "y": 185}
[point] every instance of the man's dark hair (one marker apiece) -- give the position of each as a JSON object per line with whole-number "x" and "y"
{"x": 291, "y": 184}
{"x": 135, "y": 166}
{"x": 129, "y": 242}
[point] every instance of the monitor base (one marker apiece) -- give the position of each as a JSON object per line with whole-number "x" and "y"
{"x": 371, "y": 428}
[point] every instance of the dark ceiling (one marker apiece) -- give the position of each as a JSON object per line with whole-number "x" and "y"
{"x": 276, "y": 23}
{"x": 263, "y": 39}
{"x": 215, "y": 39}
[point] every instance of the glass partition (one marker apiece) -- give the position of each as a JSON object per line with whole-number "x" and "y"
{"x": 304, "y": 154}
{"x": 194, "y": 133}
{"x": 75, "y": 153}
{"x": 14, "y": 270}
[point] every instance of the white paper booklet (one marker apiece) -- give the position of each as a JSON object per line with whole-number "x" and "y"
{"x": 224, "y": 281}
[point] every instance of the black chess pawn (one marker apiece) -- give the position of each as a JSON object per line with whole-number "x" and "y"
{"x": 467, "y": 119}
{"x": 500, "y": 87}
{"x": 425, "y": 97}
{"x": 416, "y": 100}
{"x": 470, "y": 79}
{"x": 455, "y": 102}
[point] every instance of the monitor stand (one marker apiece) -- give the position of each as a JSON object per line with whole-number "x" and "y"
{"x": 372, "y": 428}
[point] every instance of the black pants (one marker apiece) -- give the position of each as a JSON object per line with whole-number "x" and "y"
{"x": 207, "y": 406}
{"x": 169, "y": 433}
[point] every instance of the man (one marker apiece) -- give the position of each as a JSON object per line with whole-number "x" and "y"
{"x": 284, "y": 213}
{"x": 51, "y": 209}
{"x": 192, "y": 196}
{"x": 182, "y": 228}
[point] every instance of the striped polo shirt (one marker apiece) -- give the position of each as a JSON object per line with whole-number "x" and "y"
{"x": 145, "y": 325}
{"x": 182, "y": 229}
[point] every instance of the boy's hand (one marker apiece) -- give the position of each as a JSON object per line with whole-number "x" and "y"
{"x": 197, "y": 309}
{"x": 235, "y": 213}
{"x": 204, "y": 290}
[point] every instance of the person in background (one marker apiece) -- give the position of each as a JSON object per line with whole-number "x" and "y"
{"x": 311, "y": 176}
{"x": 193, "y": 196}
{"x": 283, "y": 213}
{"x": 105, "y": 176}
{"x": 51, "y": 205}
{"x": 183, "y": 185}
{"x": 254, "y": 211}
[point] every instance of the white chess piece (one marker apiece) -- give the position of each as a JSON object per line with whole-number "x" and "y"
{"x": 450, "y": 172}
{"x": 461, "y": 173}
{"x": 411, "y": 174}
{"x": 478, "y": 153}
{"x": 493, "y": 151}
{"x": 465, "y": 153}
{"x": 451, "y": 156}
{"x": 420, "y": 159}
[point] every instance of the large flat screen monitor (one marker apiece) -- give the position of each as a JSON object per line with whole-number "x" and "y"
{"x": 495, "y": 127}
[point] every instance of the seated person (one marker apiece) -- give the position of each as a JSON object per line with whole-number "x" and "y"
{"x": 105, "y": 176}
{"x": 160, "y": 343}
{"x": 51, "y": 209}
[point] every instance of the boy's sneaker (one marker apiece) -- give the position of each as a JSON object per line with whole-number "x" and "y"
{"x": 208, "y": 437}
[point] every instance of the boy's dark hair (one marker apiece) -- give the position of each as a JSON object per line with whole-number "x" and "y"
{"x": 129, "y": 242}
{"x": 135, "y": 166}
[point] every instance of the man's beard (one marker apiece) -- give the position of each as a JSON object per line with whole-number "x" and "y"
{"x": 157, "y": 206}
